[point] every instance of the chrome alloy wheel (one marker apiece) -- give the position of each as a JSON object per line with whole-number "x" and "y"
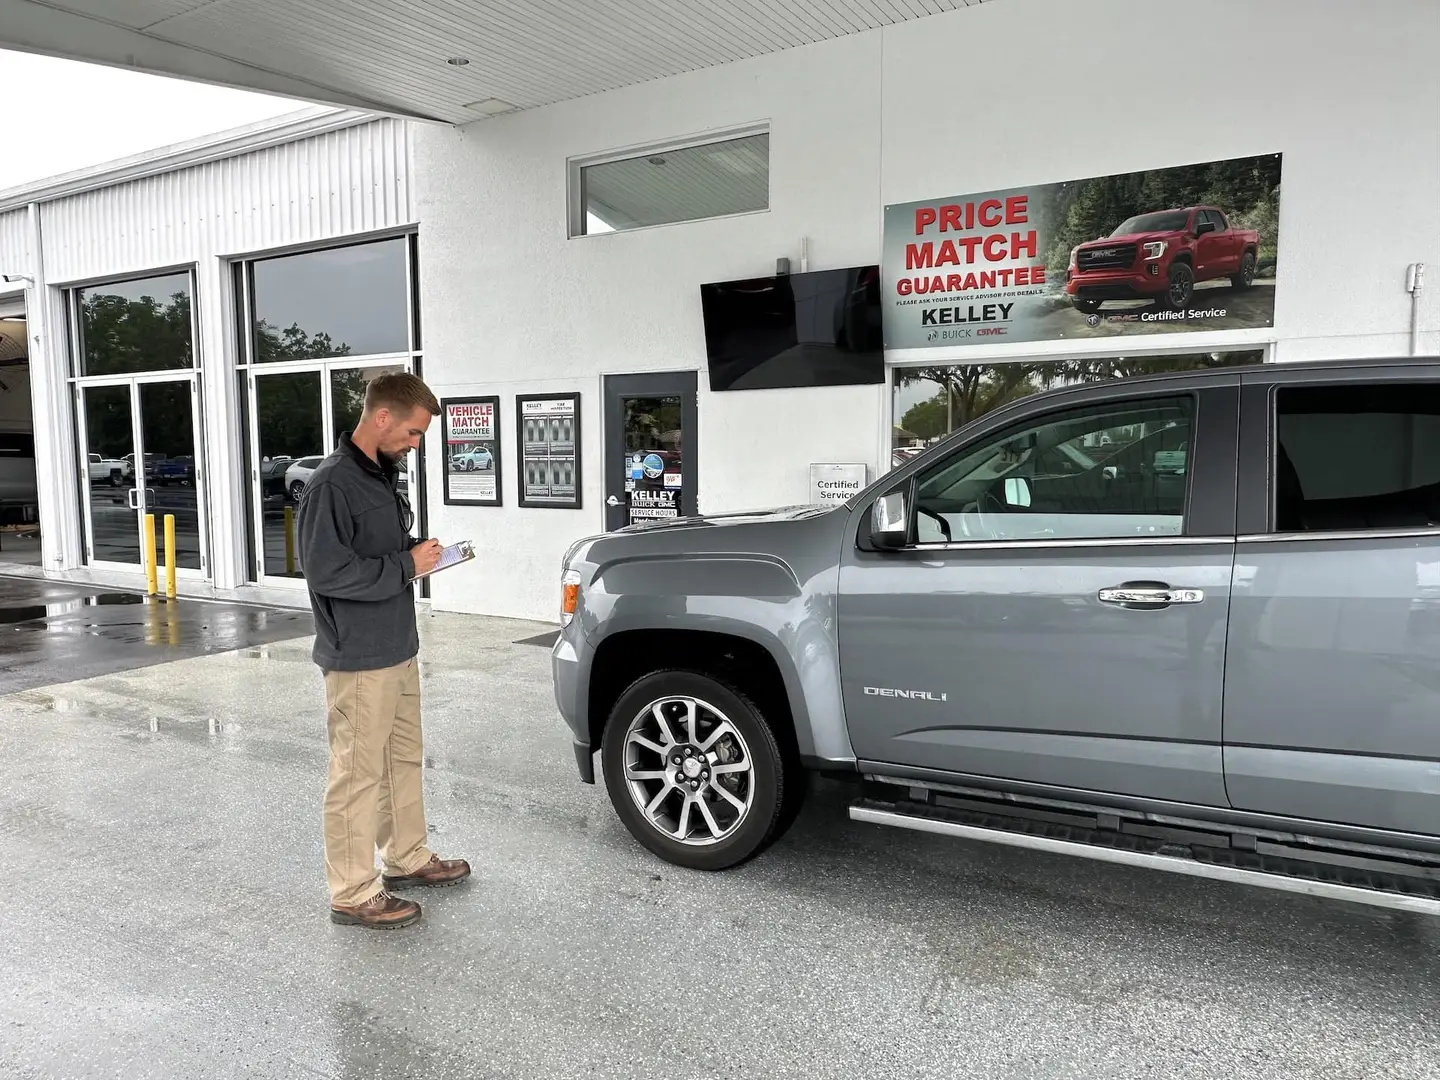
{"x": 689, "y": 770}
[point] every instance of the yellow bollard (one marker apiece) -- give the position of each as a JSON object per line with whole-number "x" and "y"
{"x": 170, "y": 556}
{"x": 150, "y": 553}
{"x": 289, "y": 542}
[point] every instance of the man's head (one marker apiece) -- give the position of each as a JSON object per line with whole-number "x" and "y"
{"x": 398, "y": 410}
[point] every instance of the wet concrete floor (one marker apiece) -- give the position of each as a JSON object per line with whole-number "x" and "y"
{"x": 164, "y": 915}
{"x": 56, "y": 632}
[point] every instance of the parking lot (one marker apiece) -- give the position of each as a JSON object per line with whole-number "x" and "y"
{"x": 166, "y": 916}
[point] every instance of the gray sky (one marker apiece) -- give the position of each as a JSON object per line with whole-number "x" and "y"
{"x": 67, "y": 115}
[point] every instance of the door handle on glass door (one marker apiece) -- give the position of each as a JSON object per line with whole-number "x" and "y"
{"x": 1150, "y": 594}
{"x": 612, "y": 501}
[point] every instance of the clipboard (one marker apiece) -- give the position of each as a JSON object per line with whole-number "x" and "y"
{"x": 453, "y": 555}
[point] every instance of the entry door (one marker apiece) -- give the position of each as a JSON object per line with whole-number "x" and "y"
{"x": 1060, "y": 615}
{"x": 650, "y": 459}
{"x": 140, "y": 455}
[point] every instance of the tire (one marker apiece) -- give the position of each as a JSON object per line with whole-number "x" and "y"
{"x": 296, "y": 490}
{"x": 1246, "y": 277}
{"x": 762, "y": 786}
{"x": 1086, "y": 307}
{"x": 1182, "y": 287}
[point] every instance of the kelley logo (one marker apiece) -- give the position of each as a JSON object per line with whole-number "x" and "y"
{"x": 974, "y": 313}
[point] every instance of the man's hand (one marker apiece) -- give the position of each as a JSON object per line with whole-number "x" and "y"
{"x": 426, "y": 555}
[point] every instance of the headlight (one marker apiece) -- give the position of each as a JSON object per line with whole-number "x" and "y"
{"x": 1154, "y": 249}
{"x": 569, "y": 596}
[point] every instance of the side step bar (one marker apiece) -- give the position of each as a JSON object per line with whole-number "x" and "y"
{"x": 1426, "y": 901}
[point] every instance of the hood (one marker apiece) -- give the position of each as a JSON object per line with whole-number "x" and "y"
{"x": 1127, "y": 238}
{"x": 744, "y": 517}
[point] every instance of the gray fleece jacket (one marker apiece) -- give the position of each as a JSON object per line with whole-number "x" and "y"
{"x": 355, "y": 550}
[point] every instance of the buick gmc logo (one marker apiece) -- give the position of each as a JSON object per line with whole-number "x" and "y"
{"x": 1103, "y": 253}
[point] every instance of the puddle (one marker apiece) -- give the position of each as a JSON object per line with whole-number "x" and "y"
{"x": 23, "y": 614}
{"x": 112, "y": 599}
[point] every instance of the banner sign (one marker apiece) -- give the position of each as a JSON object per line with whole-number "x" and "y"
{"x": 1182, "y": 249}
{"x": 471, "y": 433}
{"x": 549, "y": 430}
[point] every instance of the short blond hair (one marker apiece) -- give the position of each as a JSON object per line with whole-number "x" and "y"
{"x": 400, "y": 392}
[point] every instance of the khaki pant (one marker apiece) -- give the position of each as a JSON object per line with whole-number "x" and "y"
{"x": 373, "y": 797}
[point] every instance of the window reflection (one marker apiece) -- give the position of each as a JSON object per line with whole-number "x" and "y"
{"x": 932, "y": 402}
{"x": 291, "y": 436}
{"x": 348, "y": 301}
{"x": 347, "y": 394}
{"x": 133, "y": 326}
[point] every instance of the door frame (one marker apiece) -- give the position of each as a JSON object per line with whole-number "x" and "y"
{"x": 683, "y": 383}
{"x": 133, "y": 383}
{"x": 329, "y": 439}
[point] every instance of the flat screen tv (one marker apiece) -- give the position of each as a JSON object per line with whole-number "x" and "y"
{"x": 820, "y": 328}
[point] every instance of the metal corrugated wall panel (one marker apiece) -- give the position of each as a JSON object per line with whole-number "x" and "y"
{"x": 345, "y": 182}
{"x": 14, "y": 245}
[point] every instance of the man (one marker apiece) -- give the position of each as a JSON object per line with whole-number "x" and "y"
{"x": 360, "y": 564}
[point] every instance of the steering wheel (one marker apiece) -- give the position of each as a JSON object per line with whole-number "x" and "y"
{"x": 939, "y": 520}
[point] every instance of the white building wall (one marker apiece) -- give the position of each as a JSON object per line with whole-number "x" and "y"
{"x": 351, "y": 181}
{"x": 998, "y": 95}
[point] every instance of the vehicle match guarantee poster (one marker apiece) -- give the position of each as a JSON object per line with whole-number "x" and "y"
{"x": 549, "y": 430}
{"x": 472, "y": 451}
{"x": 1174, "y": 250}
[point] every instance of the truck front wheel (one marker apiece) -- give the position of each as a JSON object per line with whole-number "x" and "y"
{"x": 1182, "y": 287}
{"x": 693, "y": 770}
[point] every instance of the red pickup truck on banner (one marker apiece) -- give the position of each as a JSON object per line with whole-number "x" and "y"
{"x": 1162, "y": 255}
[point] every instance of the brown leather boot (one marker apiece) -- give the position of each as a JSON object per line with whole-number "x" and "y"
{"x": 436, "y": 874}
{"x": 381, "y": 912}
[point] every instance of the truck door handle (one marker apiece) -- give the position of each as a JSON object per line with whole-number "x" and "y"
{"x": 1149, "y": 595}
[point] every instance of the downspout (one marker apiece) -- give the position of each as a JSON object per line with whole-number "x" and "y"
{"x": 1414, "y": 283}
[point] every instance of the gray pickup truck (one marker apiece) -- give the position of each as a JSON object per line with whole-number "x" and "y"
{"x": 1187, "y": 621}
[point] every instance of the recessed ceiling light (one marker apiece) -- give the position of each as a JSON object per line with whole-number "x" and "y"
{"x": 457, "y": 61}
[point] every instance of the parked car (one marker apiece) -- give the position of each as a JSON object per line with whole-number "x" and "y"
{"x": 1215, "y": 651}
{"x": 1162, "y": 256}
{"x": 113, "y": 471}
{"x": 297, "y": 474}
{"x": 475, "y": 459}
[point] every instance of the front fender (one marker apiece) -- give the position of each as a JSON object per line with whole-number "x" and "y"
{"x": 754, "y": 597}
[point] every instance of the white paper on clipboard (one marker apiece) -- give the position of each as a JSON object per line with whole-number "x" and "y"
{"x": 453, "y": 555}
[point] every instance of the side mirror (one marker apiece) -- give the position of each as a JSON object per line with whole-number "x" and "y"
{"x": 1204, "y": 227}
{"x": 889, "y": 522}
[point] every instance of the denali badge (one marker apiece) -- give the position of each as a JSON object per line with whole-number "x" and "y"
{"x": 913, "y": 695}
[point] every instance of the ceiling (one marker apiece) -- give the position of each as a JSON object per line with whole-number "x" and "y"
{"x": 392, "y": 56}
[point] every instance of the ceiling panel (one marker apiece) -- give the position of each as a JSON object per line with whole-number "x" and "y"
{"x": 135, "y": 14}
{"x": 525, "y": 53}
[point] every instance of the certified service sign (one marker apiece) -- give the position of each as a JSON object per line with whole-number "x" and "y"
{"x": 833, "y": 484}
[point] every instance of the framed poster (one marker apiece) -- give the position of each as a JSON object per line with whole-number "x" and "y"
{"x": 470, "y": 428}
{"x": 548, "y": 434}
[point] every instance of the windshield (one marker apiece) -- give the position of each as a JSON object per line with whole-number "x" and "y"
{"x": 1166, "y": 221}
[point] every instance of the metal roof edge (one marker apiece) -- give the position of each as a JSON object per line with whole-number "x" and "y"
{"x": 234, "y": 142}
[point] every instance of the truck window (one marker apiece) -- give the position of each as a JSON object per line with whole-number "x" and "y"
{"x": 1356, "y": 457}
{"x": 1105, "y": 471}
